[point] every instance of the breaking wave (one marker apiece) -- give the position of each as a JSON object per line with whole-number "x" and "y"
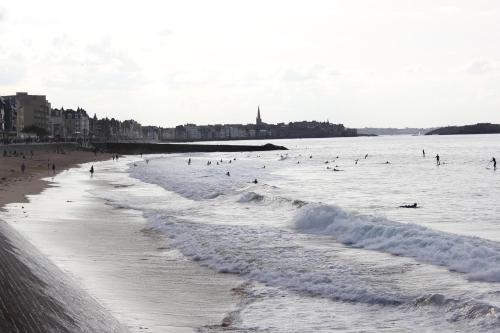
{"x": 254, "y": 197}
{"x": 476, "y": 257}
{"x": 272, "y": 257}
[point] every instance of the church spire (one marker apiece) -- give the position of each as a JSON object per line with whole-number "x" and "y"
{"x": 258, "y": 120}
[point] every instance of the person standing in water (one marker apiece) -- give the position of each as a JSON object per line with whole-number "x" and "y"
{"x": 91, "y": 170}
{"x": 494, "y": 163}
{"x": 437, "y": 160}
{"x": 423, "y": 152}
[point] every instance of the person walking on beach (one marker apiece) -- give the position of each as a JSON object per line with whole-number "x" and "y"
{"x": 23, "y": 167}
{"x": 53, "y": 168}
{"x": 437, "y": 160}
{"x": 494, "y": 163}
{"x": 423, "y": 152}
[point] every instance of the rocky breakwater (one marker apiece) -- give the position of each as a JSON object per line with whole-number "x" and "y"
{"x": 165, "y": 148}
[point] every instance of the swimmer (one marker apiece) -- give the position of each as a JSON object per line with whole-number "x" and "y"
{"x": 409, "y": 206}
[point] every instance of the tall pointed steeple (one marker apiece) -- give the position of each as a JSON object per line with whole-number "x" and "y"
{"x": 258, "y": 120}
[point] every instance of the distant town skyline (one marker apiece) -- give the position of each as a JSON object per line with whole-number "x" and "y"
{"x": 387, "y": 63}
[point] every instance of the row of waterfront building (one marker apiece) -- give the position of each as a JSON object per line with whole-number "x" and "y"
{"x": 24, "y": 116}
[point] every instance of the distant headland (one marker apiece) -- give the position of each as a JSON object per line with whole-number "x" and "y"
{"x": 480, "y": 128}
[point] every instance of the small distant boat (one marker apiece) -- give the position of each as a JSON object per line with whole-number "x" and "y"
{"x": 419, "y": 134}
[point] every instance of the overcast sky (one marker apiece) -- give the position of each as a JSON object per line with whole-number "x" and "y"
{"x": 362, "y": 63}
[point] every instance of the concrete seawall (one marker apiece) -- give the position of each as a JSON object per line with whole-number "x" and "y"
{"x": 36, "y": 296}
{"x": 36, "y": 147}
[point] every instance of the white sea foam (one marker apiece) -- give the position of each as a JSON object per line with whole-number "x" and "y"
{"x": 251, "y": 197}
{"x": 270, "y": 256}
{"x": 478, "y": 258}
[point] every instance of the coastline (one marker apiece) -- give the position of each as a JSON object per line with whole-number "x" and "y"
{"x": 16, "y": 185}
{"x": 112, "y": 256}
{"x": 35, "y": 295}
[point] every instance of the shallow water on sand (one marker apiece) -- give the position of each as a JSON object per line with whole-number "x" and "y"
{"x": 110, "y": 253}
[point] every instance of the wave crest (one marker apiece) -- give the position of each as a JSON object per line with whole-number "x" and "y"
{"x": 476, "y": 257}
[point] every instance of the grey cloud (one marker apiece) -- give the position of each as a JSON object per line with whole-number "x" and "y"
{"x": 304, "y": 74}
{"x": 334, "y": 72}
{"x": 10, "y": 74}
{"x": 98, "y": 65}
{"x": 165, "y": 33}
{"x": 479, "y": 67}
{"x": 62, "y": 41}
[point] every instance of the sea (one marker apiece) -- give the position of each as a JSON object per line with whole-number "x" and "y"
{"x": 316, "y": 236}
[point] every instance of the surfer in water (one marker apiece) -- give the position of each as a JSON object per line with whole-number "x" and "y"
{"x": 494, "y": 163}
{"x": 255, "y": 181}
{"x": 423, "y": 152}
{"x": 91, "y": 170}
{"x": 409, "y": 206}
{"x": 437, "y": 160}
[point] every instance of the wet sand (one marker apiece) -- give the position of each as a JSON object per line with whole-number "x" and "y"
{"x": 35, "y": 295}
{"x": 16, "y": 185}
{"x": 110, "y": 254}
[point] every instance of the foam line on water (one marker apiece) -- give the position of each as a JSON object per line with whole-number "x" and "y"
{"x": 476, "y": 257}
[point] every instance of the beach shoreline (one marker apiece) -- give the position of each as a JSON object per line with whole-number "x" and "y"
{"x": 110, "y": 254}
{"x": 15, "y": 184}
{"x": 36, "y": 295}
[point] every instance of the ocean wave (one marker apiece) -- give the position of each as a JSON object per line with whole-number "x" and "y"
{"x": 270, "y": 256}
{"x": 278, "y": 200}
{"x": 484, "y": 317}
{"x": 478, "y": 258}
{"x": 251, "y": 197}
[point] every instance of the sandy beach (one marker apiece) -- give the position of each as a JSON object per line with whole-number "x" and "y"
{"x": 16, "y": 185}
{"x": 35, "y": 295}
{"x": 108, "y": 252}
